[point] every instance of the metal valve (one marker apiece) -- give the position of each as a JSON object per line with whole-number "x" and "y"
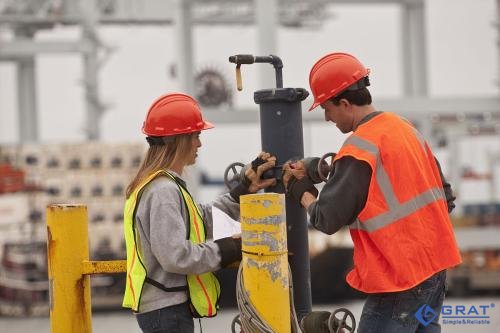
{"x": 236, "y": 325}
{"x": 324, "y": 168}
{"x": 248, "y": 59}
{"x": 342, "y": 321}
{"x": 235, "y": 172}
{"x": 232, "y": 174}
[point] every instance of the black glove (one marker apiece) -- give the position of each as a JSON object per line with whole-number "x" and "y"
{"x": 230, "y": 250}
{"x": 256, "y": 163}
{"x": 296, "y": 188}
{"x": 450, "y": 198}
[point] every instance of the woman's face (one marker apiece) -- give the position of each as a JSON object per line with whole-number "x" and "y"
{"x": 195, "y": 144}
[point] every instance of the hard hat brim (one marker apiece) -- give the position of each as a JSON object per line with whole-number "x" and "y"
{"x": 314, "y": 106}
{"x": 207, "y": 125}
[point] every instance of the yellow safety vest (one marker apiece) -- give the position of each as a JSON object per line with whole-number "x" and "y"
{"x": 204, "y": 289}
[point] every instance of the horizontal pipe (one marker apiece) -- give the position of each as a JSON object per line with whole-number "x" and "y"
{"x": 99, "y": 267}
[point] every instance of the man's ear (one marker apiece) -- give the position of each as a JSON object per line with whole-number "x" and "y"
{"x": 345, "y": 103}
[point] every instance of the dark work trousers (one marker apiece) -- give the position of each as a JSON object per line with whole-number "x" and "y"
{"x": 415, "y": 310}
{"x": 175, "y": 318}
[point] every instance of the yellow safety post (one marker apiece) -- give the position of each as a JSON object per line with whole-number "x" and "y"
{"x": 265, "y": 257}
{"x": 69, "y": 268}
{"x": 67, "y": 239}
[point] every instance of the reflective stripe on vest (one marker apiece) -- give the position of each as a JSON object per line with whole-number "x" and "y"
{"x": 403, "y": 234}
{"x": 396, "y": 210}
{"x": 204, "y": 289}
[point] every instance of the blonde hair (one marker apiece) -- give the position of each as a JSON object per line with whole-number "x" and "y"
{"x": 162, "y": 157}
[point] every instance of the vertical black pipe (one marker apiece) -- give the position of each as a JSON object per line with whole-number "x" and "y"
{"x": 281, "y": 135}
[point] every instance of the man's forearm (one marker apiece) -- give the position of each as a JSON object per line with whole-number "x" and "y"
{"x": 342, "y": 198}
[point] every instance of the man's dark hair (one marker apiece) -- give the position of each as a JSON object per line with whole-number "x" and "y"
{"x": 358, "y": 97}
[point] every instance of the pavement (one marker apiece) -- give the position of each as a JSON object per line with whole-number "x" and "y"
{"x": 124, "y": 322}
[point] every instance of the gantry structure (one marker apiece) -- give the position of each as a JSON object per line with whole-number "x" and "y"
{"x": 20, "y": 20}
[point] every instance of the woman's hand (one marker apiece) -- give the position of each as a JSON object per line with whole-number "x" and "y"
{"x": 261, "y": 164}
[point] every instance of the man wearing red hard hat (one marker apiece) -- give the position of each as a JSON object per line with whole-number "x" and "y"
{"x": 387, "y": 187}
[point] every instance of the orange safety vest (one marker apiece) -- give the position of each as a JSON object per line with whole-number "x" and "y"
{"x": 403, "y": 235}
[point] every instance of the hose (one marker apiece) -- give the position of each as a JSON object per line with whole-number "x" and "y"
{"x": 249, "y": 318}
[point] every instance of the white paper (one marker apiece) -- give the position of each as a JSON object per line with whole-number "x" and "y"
{"x": 223, "y": 225}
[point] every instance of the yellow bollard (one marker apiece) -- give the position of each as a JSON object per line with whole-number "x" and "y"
{"x": 265, "y": 257}
{"x": 67, "y": 249}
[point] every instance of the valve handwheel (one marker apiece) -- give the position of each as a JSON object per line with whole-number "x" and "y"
{"x": 235, "y": 324}
{"x": 322, "y": 161}
{"x": 342, "y": 321}
{"x": 232, "y": 174}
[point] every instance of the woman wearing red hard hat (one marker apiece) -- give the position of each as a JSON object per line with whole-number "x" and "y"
{"x": 170, "y": 256}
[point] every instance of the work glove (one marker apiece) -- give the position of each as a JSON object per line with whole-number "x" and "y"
{"x": 230, "y": 250}
{"x": 296, "y": 181}
{"x": 450, "y": 198}
{"x": 251, "y": 176}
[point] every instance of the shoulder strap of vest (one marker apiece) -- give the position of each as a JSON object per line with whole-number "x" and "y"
{"x": 182, "y": 188}
{"x": 162, "y": 287}
{"x": 177, "y": 181}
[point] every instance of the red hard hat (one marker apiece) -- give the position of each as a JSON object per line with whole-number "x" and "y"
{"x": 333, "y": 74}
{"x": 173, "y": 114}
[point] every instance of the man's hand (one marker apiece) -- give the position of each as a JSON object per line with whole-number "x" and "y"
{"x": 293, "y": 169}
{"x": 253, "y": 174}
{"x": 296, "y": 181}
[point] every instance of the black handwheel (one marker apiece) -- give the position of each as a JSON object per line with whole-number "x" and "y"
{"x": 342, "y": 321}
{"x": 236, "y": 321}
{"x": 232, "y": 174}
{"x": 321, "y": 169}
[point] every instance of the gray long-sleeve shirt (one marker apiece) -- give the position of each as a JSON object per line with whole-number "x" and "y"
{"x": 344, "y": 195}
{"x": 163, "y": 224}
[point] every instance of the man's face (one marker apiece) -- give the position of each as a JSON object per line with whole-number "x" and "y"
{"x": 195, "y": 144}
{"x": 341, "y": 115}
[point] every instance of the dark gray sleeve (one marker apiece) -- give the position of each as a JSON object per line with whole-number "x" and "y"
{"x": 343, "y": 197}
{"x": 448, "y": 191}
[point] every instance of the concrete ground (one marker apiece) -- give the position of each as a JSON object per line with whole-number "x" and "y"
{"x": 124, "y": 322}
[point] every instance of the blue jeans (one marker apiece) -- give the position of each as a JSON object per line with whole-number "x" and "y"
{"x": 398, "y": 312}
{"x": 175, "y": 318}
